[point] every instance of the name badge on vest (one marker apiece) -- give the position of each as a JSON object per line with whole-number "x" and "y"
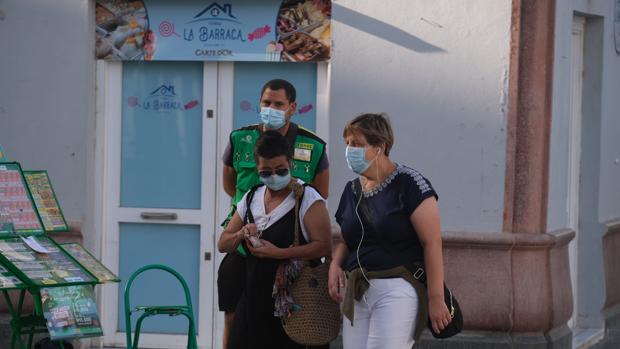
{"x": 302, "y": 154}
{"x": 303, "y": 151}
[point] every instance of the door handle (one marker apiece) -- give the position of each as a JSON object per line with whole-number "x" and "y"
{"x": 159, "y": 216}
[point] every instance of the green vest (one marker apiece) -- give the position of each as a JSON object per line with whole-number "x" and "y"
{"x": 308, "y": 149}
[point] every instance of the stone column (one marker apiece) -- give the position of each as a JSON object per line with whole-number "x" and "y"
{"x": 611, "y": 309}
{"x": 539, "y": 260}
{"x": 514, "y": 285}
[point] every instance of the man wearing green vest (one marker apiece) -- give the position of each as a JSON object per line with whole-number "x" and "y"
{"x": 310, "y": 164}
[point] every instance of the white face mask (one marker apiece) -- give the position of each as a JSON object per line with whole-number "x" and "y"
{"x": 356, "y": 159}
{"x": 272, "y": 118}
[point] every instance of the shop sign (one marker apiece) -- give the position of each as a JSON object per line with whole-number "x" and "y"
{"x": 225, "y": 30}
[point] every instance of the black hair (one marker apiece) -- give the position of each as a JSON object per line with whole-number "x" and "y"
{"x": 281, "y": 84}
{"x": 272, "y": 144}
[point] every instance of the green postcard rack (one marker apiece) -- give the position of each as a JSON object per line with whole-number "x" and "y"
{"x": 60, "y": 278}
{"x": 46, "y": 201}
{"x": 16, "y": 203}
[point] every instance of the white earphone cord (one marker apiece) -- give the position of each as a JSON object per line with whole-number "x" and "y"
{"x": 359, "y": 245}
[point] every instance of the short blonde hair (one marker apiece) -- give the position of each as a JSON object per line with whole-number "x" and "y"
{"x": 376, "y": 128}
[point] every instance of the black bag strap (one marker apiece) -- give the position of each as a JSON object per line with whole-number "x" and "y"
{"x": 249, "y": 217}
{"x": 416, "y": 268}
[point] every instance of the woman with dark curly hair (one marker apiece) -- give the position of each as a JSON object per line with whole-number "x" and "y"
{"x": 265, "y": 223}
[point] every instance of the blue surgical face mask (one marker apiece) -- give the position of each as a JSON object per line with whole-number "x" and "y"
{"x": 356, "y": 159}
{"x": 272, "y": 118}
{"x": 275, "y": 182}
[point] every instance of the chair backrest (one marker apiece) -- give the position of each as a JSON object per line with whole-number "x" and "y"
{"x": 188, "y": 298}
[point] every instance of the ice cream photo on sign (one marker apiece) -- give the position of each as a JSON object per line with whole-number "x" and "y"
{"x": 274, "y": 51}
{"x": 304, "y": 30}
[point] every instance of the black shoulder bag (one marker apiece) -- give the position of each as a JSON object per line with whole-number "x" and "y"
{"x": 416, "y": 268}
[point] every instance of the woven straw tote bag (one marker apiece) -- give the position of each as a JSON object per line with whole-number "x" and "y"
{"x": 318, "y": 320}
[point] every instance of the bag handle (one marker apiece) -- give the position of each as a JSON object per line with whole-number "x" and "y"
{"x": 298, "y": 191}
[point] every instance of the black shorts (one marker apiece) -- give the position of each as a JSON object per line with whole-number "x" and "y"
{"x": 230, "y": 281}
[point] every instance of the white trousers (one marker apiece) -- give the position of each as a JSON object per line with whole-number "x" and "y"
{"x": 384, "y": 318}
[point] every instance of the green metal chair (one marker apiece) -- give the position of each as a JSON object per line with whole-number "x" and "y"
{"x": 170, "y": 310}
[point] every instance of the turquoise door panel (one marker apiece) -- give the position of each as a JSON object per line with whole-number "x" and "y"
{"x": 249, "y": 78}
{"x": 161, "y": 137}
{"x": 174, "y": 245}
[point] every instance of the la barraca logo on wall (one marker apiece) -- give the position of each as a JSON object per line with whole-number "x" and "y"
{"x": 162, "y": 99}
{"x": 214, "y": 23}
{"x": 218, "y": 30}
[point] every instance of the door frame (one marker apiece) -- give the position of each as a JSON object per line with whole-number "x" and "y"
{"x": 108, "y": 106}
{"x": 223, "y": 201}
{"x": 109, "y": 110}
{"x": 574, "y": 152}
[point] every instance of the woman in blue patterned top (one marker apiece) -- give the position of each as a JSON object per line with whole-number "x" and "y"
{"x": 389, "y": 219}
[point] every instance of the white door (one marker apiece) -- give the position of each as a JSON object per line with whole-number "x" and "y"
{"x": 159, "y": 193}
{"x": 164, "y": 126}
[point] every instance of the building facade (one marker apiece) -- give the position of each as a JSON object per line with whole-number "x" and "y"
{"x": 509, "y": 107}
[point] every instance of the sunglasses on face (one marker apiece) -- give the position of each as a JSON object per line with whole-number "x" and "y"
{"x": 267, "y": 173}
